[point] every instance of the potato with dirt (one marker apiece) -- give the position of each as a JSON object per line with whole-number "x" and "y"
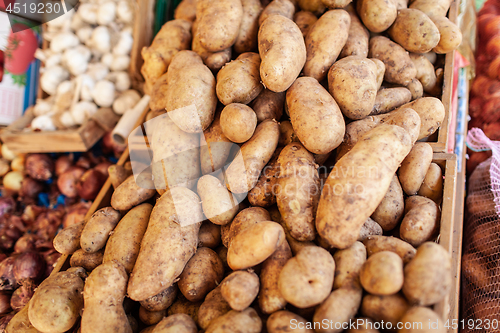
{"x": 240, "y": 289}
{"x": 89, "y": 261}
{"x": 97, "y": 230}
{"x": 238, "y": 122}
{"x": 358, "y": 38}
{"x": 325, "y": 41}
{"x": 389, "y": 99}
{"x": 381, "y": 149}
{"x": 264, "y": 192}
{"x": 161, "y": 301}
{"x": 418, "y": 319}
{"x": 67, "y": 241}
{"x": 209, "y": 235}
{"x": 214, "y": 60}
{"x": 421, "y": 222}
{"x": 414, "y": 31}
{"x": 315, "y": 116}
{"x": 277, "y": 7}
{"x": 235, "y": 321}
{"x": 390, "y": 308}
{"x": 304, "y": 20}
{"x": 432, "y": 187}
{"x": 382, "y": 274}
{"x": 243, "y": 220}
{"x": 247, "y": 37}
{"x": 186, "y": 9}
{"x": 377, "y": 15}
{"x": 212, "y": 308}
{"x": 432, "y": 8}
{"x": 268, "y": 105}
{"x": 426, "y": 74}
{"x": 348, "y": 263}
{"x": 414, "y": 167}
{"x": 375, "y": 244}
{"x": 340, "y": 307}
{"x": 391, "y": 209}
{"x": 282, "y": 322}
{"x": 370, "y": 228}
{"x": 214, "y": 147}
{"x": 219, "y": 205}
{"x": 169, "y": 242}
{"x": 282, "y": 51}
{"x": 151, "y": 317}
{"x": 176, "y": 323}
{"x": 130, "y": 193}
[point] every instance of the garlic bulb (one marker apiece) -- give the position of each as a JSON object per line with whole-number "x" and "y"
{"x": 63, "y": 41}
{"x": 88, "y": 12}
{"x": 107, "y": 59}
{"x": 97, "y": 71}
{"x": 77, "y": 22}
{"x": 43, "y": 106}
{"x": 101, "y": 39}
{"x": 82, "y": 111}
{"x": 121, "y": 80}
{"x": 43, "y": 123}
{"x": 67, "y": 119}
{"x": 77, "y": 59}
{"x": 106, "y": 13}
{"x": 104, "y": 93}
{"x": 124, "y": 45}
{"x": 124, "y": 12}
{"x": 120, "y": 63}
{"x": 87, "y": 86}
{"x": 84, "y": 33}
{"x": 126, "y": 101}
{"x": 52, "y": 77}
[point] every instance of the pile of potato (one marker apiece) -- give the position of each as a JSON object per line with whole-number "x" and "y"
{"x": 343, "y": 203}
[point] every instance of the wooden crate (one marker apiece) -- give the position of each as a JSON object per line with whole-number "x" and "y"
{"x": 18, "y": 138}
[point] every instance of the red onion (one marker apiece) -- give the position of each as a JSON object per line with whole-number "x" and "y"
{"x": 4, "y": 302}
{"x": 22, "y": 295}
{"x": 7, "y": 278}
{"x": 75, "y": 213}
{"x": 90, "y": 184}
{"x": 29, "y": 265}
{"x": 68, "y": 180}
{"x": 4, "y": 321}
{"x": 7, "y": 205}
{"x": 30, "y": 188}
{"x": 39, "y": 166}
{"x": 84, "y": 162}
{"x": 103, "y": 168}
{"x": 63, "y": 163}
{"x": 26, "y": 243}
{"x": 107, "y": 143}
{"x": 48, "y": 223}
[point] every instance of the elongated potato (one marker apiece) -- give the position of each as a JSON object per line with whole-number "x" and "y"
{"x": 358, "y": 38}
{"x": 214, "y": 60}
{"x": 421, "y": 221}
{"x": 451, "y": 37}
{"x": 277, "y": 7}
{"x": 283, "y": 53}
{"x": 264, "y": 192}
{"x": 390, "y": 99}
{"x": 235, "y": 321}
{"x": 428, "y": 275}
{"x": 416, "y": 89}
{"x": 240, "y": 288}
{"x": 432, "y": 187}
{"x": 398, "y": 66}
{"x": 246, "y": 218}
{"x": 315, "y": 116}
{"x": 255, "y": 245}
{"x": 214, "y": 147}
{"x": 391, "y": 209}
{"x": 89, "y": 261}
{"x": 161, "y": 301}
{"x": 268, "y": 105}
{"x": 239, "y": 80}
{"x": 96, "y": 231}
{"x": 390, "y": 308}
{"x": 382, "y": 274}
{"x": 375, "y": 244}
{"x": 57, "y": 302}
{"x": 414, "y": 167}
{"x": 377, "y": 15}
{"x": 422, "y": 319}
{"x": 247, "y": 37}
{"x": 219, "y": 23}
{"x": 325, "y": 41}
{"x": 414, "y": 31}
{"x": 103, "y": 295}
{"x": 336, "y": 221}
{"x": 173, "y": 225}
{"x": 431, "y": 112}
{"x": 304, "y": 20}
{"x": 340, "y": 307}
{"x": 426, "y": 74}
{"x": 348, "y": 263}
{"x": 191, "y": 97}
{"x": 212, "y": 308}
{"x": 130, "y": 194}
{"x": 20, "y": 323}
{"x": 352, "y": 82}
{"x": 307, "y": 279}
{"x": 176, "y": 323}
{"x": 243, "y": 173}
{"x": 186, "y": 10}
{"x": 285, "y": 322}
{"x": 124, "y": 244}
{"x": 219, "y": 205}
{"x": 67, "y": 241}
{"x": 295, "y": 245}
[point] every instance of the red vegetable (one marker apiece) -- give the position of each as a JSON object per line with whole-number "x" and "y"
{"x": 22, "y": 295}
{"x": 20, "y": 51}
{"x": 75, "y": 213}
{"x": 103, "y": 168}
{"x": 90, "y": 184}
{"x": 29, "y": 265}
{"x": 84, "y": 162}
{"x": 31, "y": 212}
{"x": 7, "y": 278}
{"x": 47, "y": 224}
{"x": 68, "y": 180}
{"x": 26, "y": 243}
{"x": 4, "y": 302}
{"x": 39, "y": 166}
{"x": 30, "y": 188}
{"x": 63, "y": 163}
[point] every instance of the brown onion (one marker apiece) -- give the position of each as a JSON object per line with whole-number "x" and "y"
{"x": 30, "y": 188}
{"x": 4, "y": 321}
{"x": 75, "y": 213}
{"x": 103, "y": 168}
{"x": 29, "y": 265}
{"x": 68, "y": 180}
{"x": 31, "y": 212}
{"x": 39, "y": 166}
{"x": 26, "y": 243}
{"x": 4, "y": 302}
{"x": 90, "y": 184}
{"x": 48, "y": 223}
{"x": 7, "y": 205}
{"x": 84, "y": 162}
{"x": 63, "y": 163}
{"x": 7, "y": 278}
{"x": 22, "y": 295}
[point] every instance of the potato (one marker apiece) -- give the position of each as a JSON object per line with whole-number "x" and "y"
{"x": 158, "y": 94}
{"x": 130, "y": 194}
{"x": 389, "y": 309}
{"x": 390, "y": 211}
{"x": 414, "y": 31}
{"x": 238, "y": 122}
{"x": 297, "y": 191}
{"x": 305, "y": 21}
{"x": 103, "y": 296}
{"x": 377, "y": 15}
{"x": 307, "y": 279}
{"x": 432, "y": 187}
{"x": 209, "y": 235}
{"x": 414, "y": 167}
{"x": 268, "y": 105}
{"x": 186, "y": 10}
{"x": 295, "y": 245}
{"x": 245, "y": 218}
{"x": 421, "y": 319}
{"x": 364, "y": 325}
{"x": 336, "y": 3}
{"x": 370, "y": 228}
{"x": 97, "y": 230}
{"x": 432, "y": 8}
{"x": 191, "y": 97}
{"x": 426, "y": 74}
{"x": 389, "y": 99}
{"x": 382, "y": 273}
{"x": 315, "y": 116}
{"x": 243, "y": 173}
{"x": 428, "y": 275}
{"x": 219, "y": 205}
{"x": 375, "y": 244}
{"x": 484, "y": 238}
{"x": 181, "y": 305}
{"x": 352, "y": 82}
{"x": 247, "y": 321}
{"x": 255, "y": 245}
{"x": 287, "y": 134}
{"x": 431, "y": 112}
{"x": 380, "y": 71}
{"x": 421, "y": 221}
{"x": 173, "y": 37}
{"x": 89, "y": 261}
{"x": 214, "y": 60}
{"x": 176, "y": 323}
{"x": 277, "y": 7}
{"x": 214, "y": 147}
{"x": 67, "y": 241}
{"x": 358, "y": 38}
{"x": 416, "y": 89}
{"x": 203, "y": 272}
{"x": 239, "y": 80}
{"x": 57, "y": 302}
{"x": 161, "y": 301}
{"x": 247, "y": 37}
{"x": 239, "y": 289}
{"x": 151, "y": 317}
{"x": 168, "y": 244}
{"x": 287, "y": 322}
{"x": 398, "y": 66}
{"x": 219, "y": 23}
{"x": 264, "y": 192}
{"x": 338, "y": 309}
{"x": 212, "y": 308}
{"x": 315, "y": 6}
{"x": 20, "y": 323}
{"x": 125, "y": 241}
{"x": 348, "y": 264}
{"x": 324, "y": 42}
{"x": 382, "y": 149}
{"x": 451, "y": 37}
{"x": 283, "y": 53}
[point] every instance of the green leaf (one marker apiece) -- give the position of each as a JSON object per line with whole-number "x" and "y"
{"x": 19, "y": 80}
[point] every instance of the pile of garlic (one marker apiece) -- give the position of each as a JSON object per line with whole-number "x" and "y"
{"x": 86, "y": 64}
